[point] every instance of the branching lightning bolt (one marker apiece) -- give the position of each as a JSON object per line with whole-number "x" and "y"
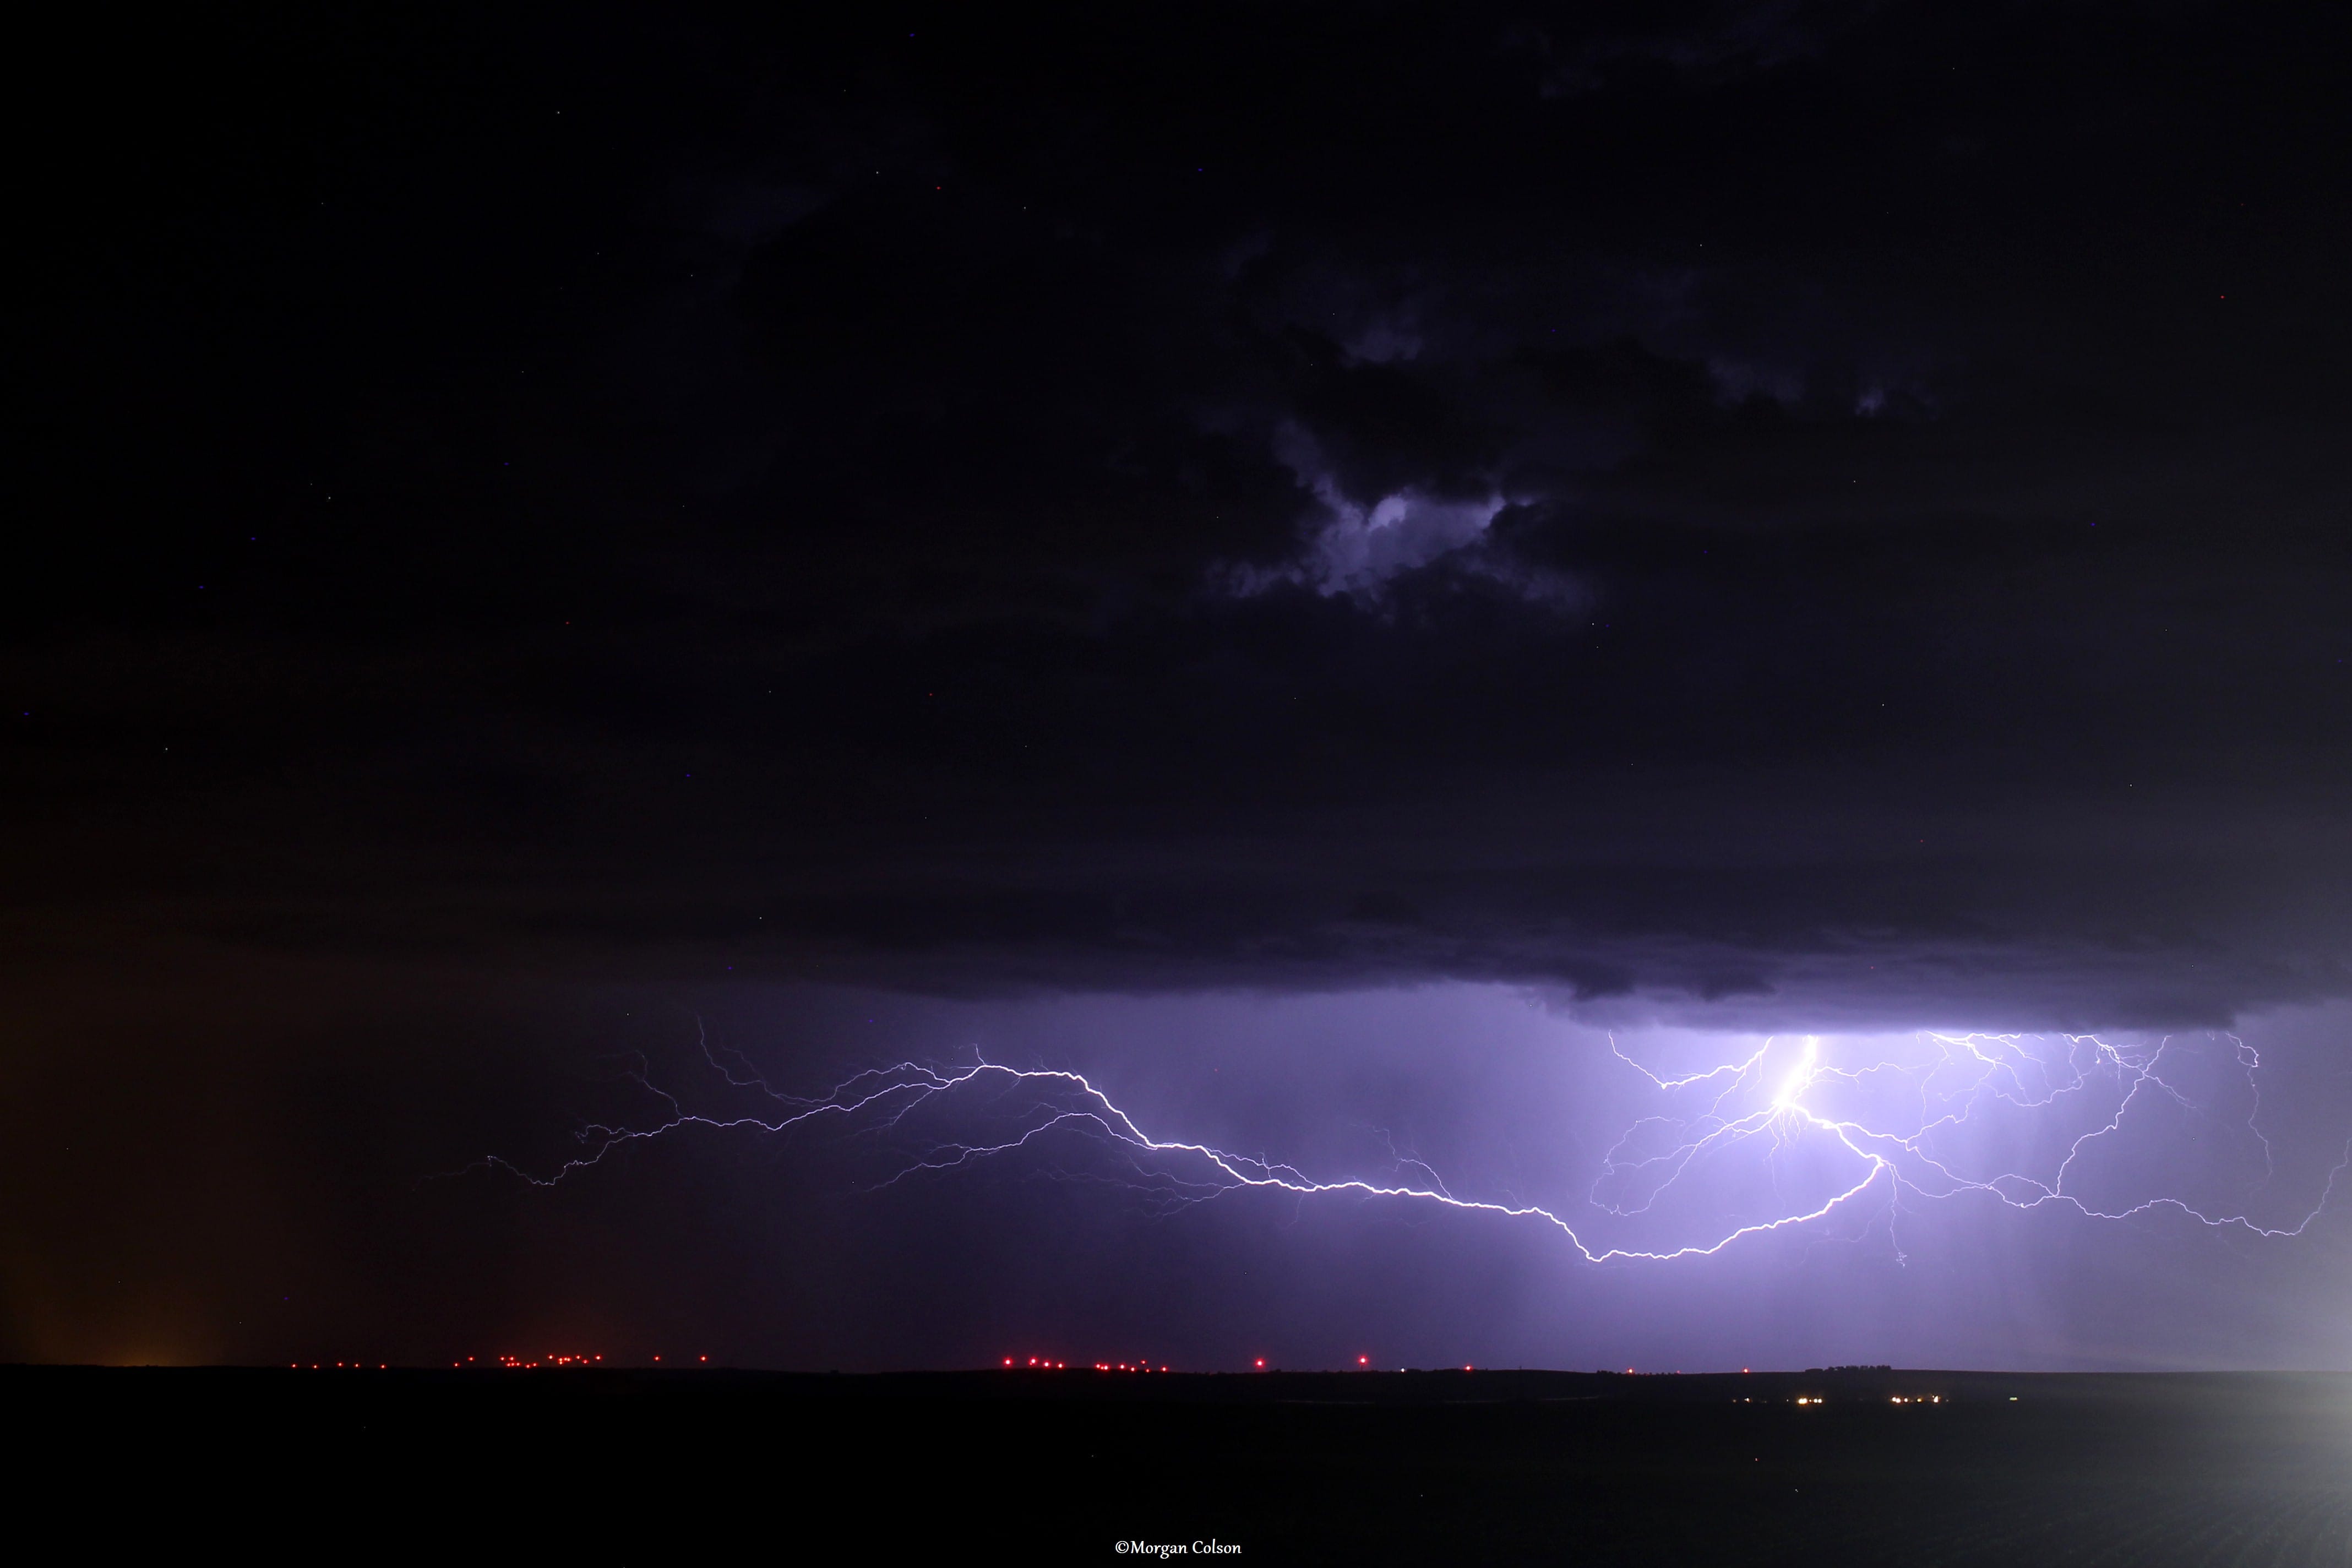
{"x": 1771, "y": 1095}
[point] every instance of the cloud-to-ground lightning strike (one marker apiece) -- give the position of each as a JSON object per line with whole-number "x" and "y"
{"x": 1771, "y": 1095}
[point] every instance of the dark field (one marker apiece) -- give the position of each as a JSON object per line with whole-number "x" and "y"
{"x": 1440, "y": 1467}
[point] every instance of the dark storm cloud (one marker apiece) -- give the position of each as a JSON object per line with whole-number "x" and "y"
{"x": 1825, "y": 509}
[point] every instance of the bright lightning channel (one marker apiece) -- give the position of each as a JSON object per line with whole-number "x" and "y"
{"x": 1955, "y": 1078}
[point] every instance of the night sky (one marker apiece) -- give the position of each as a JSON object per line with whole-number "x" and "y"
{"x": 1350, "y": 571}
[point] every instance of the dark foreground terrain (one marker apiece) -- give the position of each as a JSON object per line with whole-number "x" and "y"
{"x": 621, "y": 1467}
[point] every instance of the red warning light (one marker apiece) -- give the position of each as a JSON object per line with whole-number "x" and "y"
{"x": 1261, "y": 1364}
{"x": 1363, "y": 1361}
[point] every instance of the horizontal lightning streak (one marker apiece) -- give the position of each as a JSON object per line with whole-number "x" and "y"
{"x": 1966, "y": 1073}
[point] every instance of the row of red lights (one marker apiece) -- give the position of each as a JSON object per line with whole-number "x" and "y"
{"x": 1046, "y": 1363}
{"x": 511, "y": 1362}
{"x": 1038, "y": 1362}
